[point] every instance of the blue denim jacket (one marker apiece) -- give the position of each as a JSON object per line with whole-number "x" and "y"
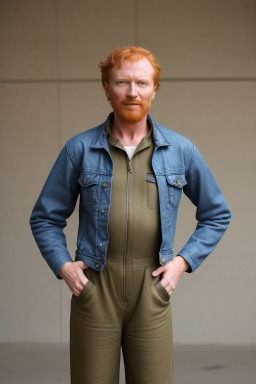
{"x": 84, "y": 167}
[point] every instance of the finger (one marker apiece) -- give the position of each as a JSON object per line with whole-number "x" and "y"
{"x": 78, "y": 286}
{"x": 167, "y": 285}
{"x": 81, "y": 264}
{"x": 157, "y": 271}
{"x": 78, "y": 291}
{"x": 82, "y": 279}
{"x": 164, "y": 282}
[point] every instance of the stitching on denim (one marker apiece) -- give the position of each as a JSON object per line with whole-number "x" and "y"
{"x": 85, "y": 253}
{"x": 70, "y": 155}
{"x": 190, "y": 254}
{"x": 162, "y": 129}
{"x": 191, "y": 160}
{"x": 61, "y": 257}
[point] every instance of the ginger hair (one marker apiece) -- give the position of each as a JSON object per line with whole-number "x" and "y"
{"x": 132, "y": 54}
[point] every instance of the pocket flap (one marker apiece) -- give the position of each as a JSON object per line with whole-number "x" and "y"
{"x": 150, "y": 177}
{"x": 177, "y": 180}
{"x": 88, "y": 180}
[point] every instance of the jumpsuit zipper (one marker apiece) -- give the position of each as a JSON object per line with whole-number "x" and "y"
{"x": 128, "y": 207}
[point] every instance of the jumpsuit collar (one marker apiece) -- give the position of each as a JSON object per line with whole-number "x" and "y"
{"x": 157, "y": 133}
{"x": 145, "y": 142}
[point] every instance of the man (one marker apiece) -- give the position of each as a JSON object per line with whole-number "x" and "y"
{"x": 129, "y": 173}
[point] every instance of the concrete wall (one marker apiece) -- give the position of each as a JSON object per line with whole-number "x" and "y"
{"x": 50, "y": 90}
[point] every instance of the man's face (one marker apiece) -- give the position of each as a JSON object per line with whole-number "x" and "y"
{"x": 131, "y": 89}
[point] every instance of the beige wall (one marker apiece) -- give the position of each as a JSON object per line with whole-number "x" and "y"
{"x": 50, "y": 90}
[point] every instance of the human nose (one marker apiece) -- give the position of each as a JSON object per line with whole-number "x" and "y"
{"x": 132, "y": 92}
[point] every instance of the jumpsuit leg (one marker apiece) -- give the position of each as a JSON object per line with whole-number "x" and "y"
{"x": 102, "y": 320}
{"x": 147, "y": 336}
{"x": 95, "y": 332}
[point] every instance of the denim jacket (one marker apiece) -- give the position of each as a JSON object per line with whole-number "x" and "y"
{"x": 84, "y": 167}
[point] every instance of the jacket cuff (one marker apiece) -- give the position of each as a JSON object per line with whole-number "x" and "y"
{"x": 190, "y": 259}
{"x": 59, "y": 263}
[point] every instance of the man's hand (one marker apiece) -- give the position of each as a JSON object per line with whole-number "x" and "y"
{"x": 72, "y": 273}
{"x": 172, "y": 272}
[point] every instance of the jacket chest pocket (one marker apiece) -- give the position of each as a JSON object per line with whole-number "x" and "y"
{"x": 88, "y": 189}
{"x": 175, "y": 184}
{"x": 152, "y": 191}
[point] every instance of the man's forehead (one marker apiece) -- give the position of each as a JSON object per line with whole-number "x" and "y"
{"x": 140, "y": 67}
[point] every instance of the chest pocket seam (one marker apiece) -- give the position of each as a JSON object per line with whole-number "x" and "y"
{"x": 175, "y": 184}
{"x": 152, "y": 190}
{"x": 89, "y": 189}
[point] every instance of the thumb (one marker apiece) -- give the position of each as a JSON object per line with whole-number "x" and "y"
{"x": 157, "y": 271}
{"x": 82, "y": 265}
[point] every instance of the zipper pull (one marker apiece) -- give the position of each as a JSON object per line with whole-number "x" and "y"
{"x": 130, "y": 166}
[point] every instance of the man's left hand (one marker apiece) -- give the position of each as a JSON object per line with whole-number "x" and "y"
{"x": 172, "y": 272}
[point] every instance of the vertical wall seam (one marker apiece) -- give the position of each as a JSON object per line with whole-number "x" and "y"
{"x": 136, "y": 22}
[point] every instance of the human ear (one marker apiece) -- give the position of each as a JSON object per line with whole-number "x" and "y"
{"x": 154, "y": 93}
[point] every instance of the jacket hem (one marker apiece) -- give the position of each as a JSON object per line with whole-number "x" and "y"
{"x": 90, "y": 260}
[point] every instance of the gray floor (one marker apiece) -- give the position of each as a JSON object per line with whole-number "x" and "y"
{"x": 49, "y": 363}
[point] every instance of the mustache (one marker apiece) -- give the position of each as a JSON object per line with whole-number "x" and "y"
{"x": 132, "y": 102}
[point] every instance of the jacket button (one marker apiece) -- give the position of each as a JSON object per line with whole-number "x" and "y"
{"x": 97, "y": 265}
{"x": 84, "y": 180}
{"x": 100, "y": 244}
{"x": 103, "y": 211}
{"x": 163, "y": 259}
{"x": 105, "y": 185}
{"x": 178, "y": 181}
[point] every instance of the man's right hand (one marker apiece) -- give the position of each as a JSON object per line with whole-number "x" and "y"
{"x": 72, "y": 273}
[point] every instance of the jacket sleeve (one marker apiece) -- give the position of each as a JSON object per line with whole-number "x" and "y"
{"x": 212, "y": 212}
{"x": 55, "y": 204}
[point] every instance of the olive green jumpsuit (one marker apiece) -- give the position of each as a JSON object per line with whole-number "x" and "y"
{"x": 124, "y": 305}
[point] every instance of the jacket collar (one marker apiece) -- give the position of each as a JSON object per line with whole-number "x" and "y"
{"x": 159, "y": 138}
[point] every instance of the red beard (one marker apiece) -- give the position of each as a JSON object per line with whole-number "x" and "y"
{"x": 131, "y": 114}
